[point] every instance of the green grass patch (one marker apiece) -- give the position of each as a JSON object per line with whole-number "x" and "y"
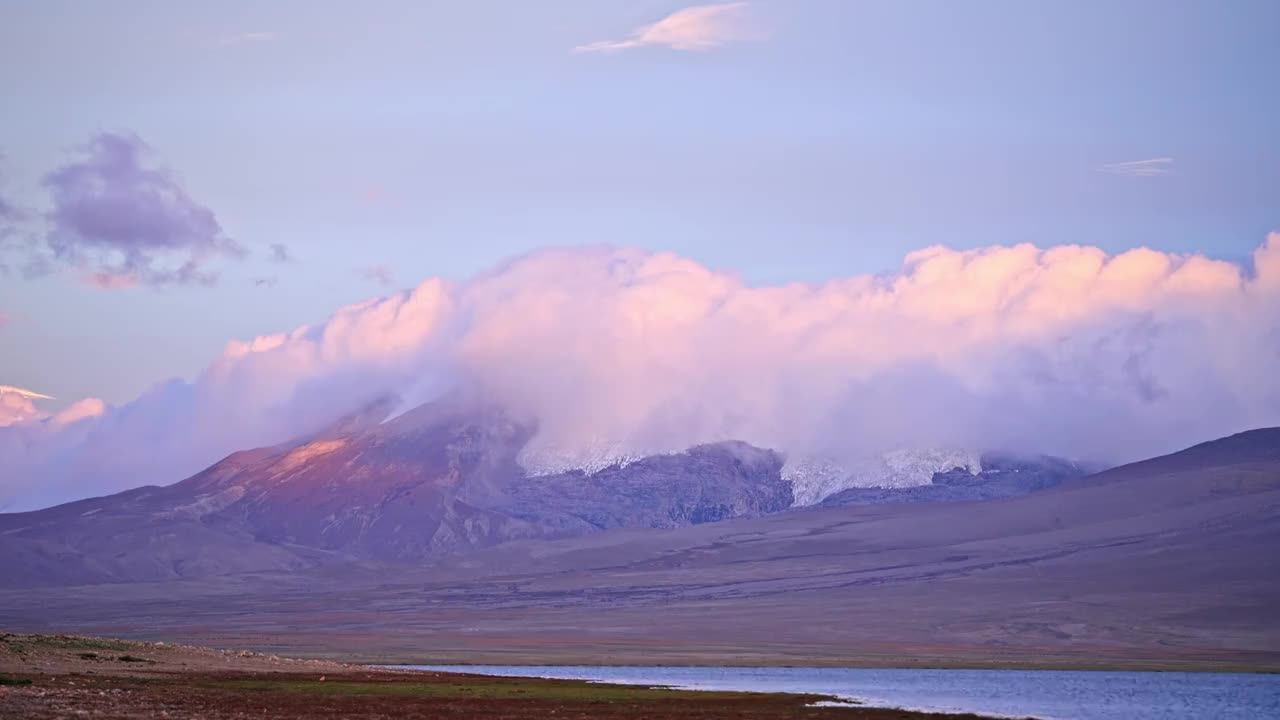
{"x": 133, "y": 659}
{"x": 6, "y": 680}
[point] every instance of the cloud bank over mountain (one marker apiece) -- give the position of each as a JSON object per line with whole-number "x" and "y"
{"x": 1064, "y": 350}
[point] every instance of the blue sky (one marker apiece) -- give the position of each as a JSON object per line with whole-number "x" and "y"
{"x": 825, "y": 139}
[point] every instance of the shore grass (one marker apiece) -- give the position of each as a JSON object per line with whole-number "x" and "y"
{"x": 463, "y": 687}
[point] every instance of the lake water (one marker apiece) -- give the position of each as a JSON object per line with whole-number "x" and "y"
{"x": 1047, "y": 694}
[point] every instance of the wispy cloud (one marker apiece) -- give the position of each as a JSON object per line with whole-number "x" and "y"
{"x": 1140, "y": 168}
{"x": 247, "y": 38}
{"x": 11, "y": 237}
{"x": 280, "y": 253}
{"x": 380, "y": 274}
{"x": 28, "y": 394}
{"x": 698, "y": 28}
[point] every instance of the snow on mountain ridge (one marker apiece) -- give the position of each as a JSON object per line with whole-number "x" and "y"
{"x": 814, "y": 478}
{"x": 592, "y": 457}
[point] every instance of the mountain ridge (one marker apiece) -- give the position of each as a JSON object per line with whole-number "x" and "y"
{"x": 441, "y": 477}
{"x": 1158, "y": 564}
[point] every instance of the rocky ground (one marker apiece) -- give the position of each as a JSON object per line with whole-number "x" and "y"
{"x": 61, "y": 676}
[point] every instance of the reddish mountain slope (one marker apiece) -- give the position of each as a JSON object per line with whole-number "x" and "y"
{"x": 438, "y": 479}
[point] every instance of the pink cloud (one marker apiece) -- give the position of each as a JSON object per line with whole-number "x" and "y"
{"x": 698, "y": 28}
{"x": 15, "y": 409}
{"x": 1066, "y": 350}
{"x": 18, "y": 405}
{"x": 79, "y": 410}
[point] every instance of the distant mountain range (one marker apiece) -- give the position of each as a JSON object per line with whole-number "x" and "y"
{"x": 441, "y": 478}
{"x": 430, "y": 519}
{"x": 444, "y": 477}
{"x": 997, "y": 475}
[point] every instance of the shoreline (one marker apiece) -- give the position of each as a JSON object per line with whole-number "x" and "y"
{"x": 53, "y": 676}
{"x": 1197, "y": 668}
{"x": 824, "y": 699}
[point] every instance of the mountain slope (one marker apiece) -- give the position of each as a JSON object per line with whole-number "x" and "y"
{"x": 1157, "y": 563}
{"x": 1166, "y": 563}
{"x": 706, "y": 483}
{"x": 440, "y": 478}
{"x": 1001, "y": 475}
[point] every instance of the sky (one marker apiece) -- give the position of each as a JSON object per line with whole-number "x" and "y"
{"x": 178, "y": 176}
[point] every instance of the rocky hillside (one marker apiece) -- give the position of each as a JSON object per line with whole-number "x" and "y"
{"x": 1002, "y": 475}
{"x": 441, "y": 478}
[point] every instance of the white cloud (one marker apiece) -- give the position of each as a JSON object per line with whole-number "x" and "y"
{"x": 698, "y": 28}
{"x": 1140, "y": 168}
{"x": 1064, "y": 350}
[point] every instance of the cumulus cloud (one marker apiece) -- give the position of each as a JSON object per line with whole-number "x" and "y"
{"x": 17, "y": 405}
{"x": 698, "y": 28}
{"x": 1140, "y": 168}
{"x": 1064, "y": 350}
{"x": 85, "y": 409}
{"x": 15, "y": 409}
{"x": 119, "y": 220}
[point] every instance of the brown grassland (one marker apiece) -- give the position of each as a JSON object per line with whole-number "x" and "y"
{"x": 58, "y": 676}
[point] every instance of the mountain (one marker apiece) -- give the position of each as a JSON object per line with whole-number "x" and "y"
{"x": 420, "y": 537}
{"x": 1001, "y": 475}
{"x": 706, "y": 483}
{"x": 1166, "y": 563}
{"x": 817, "y": 477}
{"x": 441, "y": 478}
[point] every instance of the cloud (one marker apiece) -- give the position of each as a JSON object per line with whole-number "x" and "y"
{"x": 12, "y": 217}
{"x": 29, "y": 394}
{"x": 269, "y": 281}
{"x": 248, "y": 38}
{"x": 1140, "y": 168}
{"x": 86, "y": 409}
{"x": 380, "y": 274}
{"x": 15, "y": 409}
{"x": 280, "y": 253}
{"x": 119, "y": 221}
{"x": 698, "y": 28}
{"x": 1065, "y": 350}
{"x": 9, "y": 214}
{"x": 17, "y": 405}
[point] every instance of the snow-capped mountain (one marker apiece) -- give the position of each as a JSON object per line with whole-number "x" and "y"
{"x": 541, "y": 458}
{"x": 814, "y": 478}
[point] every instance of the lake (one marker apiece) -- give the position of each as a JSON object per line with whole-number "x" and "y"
{"x": 1047, "y": 694}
